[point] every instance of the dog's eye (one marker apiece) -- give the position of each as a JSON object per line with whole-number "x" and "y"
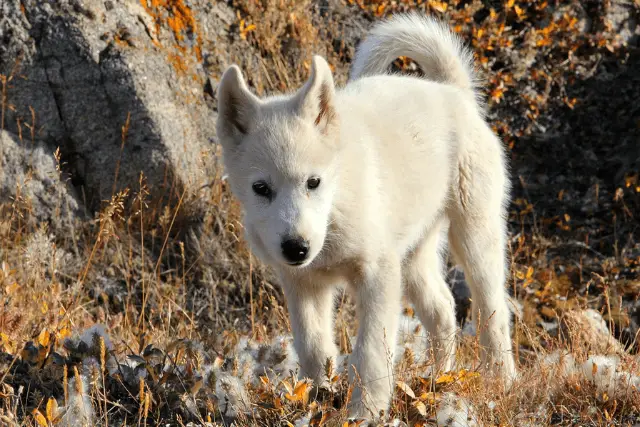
{"x": 313, "y": 183}
{"x": 261, "y": 188}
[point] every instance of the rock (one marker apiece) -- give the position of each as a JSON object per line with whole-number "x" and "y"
{"x": 14, "y": 33}
{"x": 461, "y": 294}
{"x": 31, "y": 183}
{"x": 588, "y": 330}
{"x": 462, "y": 297}
{"x": 627, "y": 325}
{"x": 622, "y": 17}
{"x": 83, "y": 70}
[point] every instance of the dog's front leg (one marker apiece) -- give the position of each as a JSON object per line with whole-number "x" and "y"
{"x": 311, "y": 314}
{"x": 378, "y": 297}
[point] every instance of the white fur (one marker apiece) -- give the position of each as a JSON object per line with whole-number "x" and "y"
{"x": 405, "y": 165}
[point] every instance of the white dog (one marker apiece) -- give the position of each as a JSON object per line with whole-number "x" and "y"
{"x": 361, "y": 186}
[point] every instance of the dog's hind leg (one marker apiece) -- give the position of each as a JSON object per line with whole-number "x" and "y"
{"x": 477, "y": 238}
{"x": 431, "y": 297}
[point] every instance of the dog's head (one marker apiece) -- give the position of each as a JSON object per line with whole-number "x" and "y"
{"x": 280, "y": 155}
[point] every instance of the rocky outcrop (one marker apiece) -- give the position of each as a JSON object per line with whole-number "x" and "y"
{"x": 118, "y": 86}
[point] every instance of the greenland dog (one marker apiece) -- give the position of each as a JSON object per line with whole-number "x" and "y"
{"x": 363, "y": 186}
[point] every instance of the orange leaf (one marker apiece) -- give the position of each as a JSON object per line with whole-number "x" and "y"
{"x": 440, "y": 6}
{"x": 299, "y": 392}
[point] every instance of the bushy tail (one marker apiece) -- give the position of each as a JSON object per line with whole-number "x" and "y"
{"x": 438, "y": 51}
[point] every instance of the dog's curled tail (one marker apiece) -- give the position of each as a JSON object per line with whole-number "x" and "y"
{"x": 438, "y": 51}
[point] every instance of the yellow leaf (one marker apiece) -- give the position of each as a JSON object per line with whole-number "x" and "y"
{"x": 406, "y": 389}
{"x": 44, "y": 338}
{"x": 40, "y": 419}
{"x": 7, "y": 343}
{"x": 445, "y": 379}
{"x": 63, "y": 333}
{"x": 529, "y": 272}
{"x": 52, "y": 409}
{"x": 428, "y": 397}
{"x": 44, "y": 307}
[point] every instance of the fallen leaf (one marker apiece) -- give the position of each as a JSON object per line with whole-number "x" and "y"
{"x": 406, "y": 389}
{"x": 40, "y": 419}
{"x": 445, "y": 379}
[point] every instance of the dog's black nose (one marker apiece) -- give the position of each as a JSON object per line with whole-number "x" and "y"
{"x": 295, "y": 250}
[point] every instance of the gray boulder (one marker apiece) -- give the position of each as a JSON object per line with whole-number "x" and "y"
{"x": 32, "y": 183}
{"x": 83, "y": 70}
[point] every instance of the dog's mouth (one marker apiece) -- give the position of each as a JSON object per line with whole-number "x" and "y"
{"x": 298, "y": 263}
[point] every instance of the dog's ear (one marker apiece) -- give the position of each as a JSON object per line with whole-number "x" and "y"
{"x": 237, "y": 106}
{"x": 316, "y": 98}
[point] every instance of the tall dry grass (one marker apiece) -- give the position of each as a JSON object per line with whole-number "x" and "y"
{"x": 177, "y": 286}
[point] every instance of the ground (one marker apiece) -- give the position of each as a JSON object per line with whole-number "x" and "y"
{"x": 154, "y": 315}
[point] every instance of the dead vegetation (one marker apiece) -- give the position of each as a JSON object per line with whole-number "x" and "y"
{"x": 195, "y": 330}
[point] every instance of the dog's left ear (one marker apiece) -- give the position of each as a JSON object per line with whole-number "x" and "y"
{"x": 315, "y": 101}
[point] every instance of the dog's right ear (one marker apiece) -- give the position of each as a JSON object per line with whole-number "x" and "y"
{"x": 237, "y": 106}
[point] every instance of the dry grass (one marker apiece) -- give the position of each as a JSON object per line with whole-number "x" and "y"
{"x": 197, "y": 329}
